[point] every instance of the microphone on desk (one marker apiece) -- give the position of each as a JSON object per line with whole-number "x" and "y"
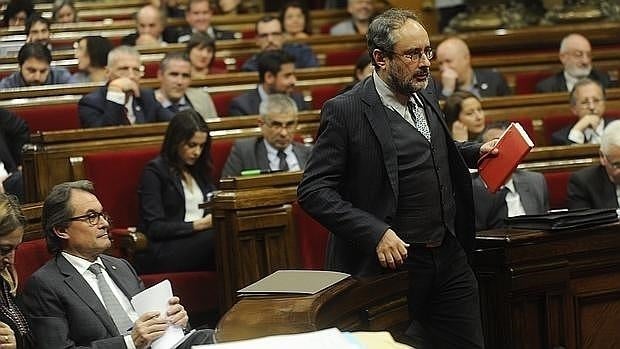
{"x": 256, "y": 172}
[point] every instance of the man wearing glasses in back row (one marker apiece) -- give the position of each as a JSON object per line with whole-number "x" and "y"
{"x": 587, "y": 103}
{"x": 393, "y": 188}
{"x": 275, "y": 149}
{"x": 122, "y": 101}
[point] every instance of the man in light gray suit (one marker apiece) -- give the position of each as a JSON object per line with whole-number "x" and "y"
{"x": 524, "y": 193}
{"x": 275, "y": 149}
{"x": 80, "y": 298}
{"x": 175, "y": 94}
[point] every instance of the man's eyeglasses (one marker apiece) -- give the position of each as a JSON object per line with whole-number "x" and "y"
{"x": 92, "y": 218}
{"x": 580, "y": 54}
{"x": 138, "y": 71}
{"x": 278, "y": 126}
{"x": 586, "y": 103}
{"x": 415, "y": 55}
{"x": 265, "y": 35}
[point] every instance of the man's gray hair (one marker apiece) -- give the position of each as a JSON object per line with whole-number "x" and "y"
{"x": 57, "y": 211}
{"x": 277, "y": 103}
{"x": 381, "y": 31}
{"x": 611, "y": 136}
{"x": 120, "y": 50}
{"x": 583, "y": 82}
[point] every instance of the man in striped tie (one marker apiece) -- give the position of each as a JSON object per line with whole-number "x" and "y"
{"x": 80, "y": 298}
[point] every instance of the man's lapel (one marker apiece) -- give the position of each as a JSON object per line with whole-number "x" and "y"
{"x": 377, "y": 117}
{"x": 78, "y": 284}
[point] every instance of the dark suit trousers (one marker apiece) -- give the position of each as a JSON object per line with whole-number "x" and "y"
{"x": 444, "y": 304}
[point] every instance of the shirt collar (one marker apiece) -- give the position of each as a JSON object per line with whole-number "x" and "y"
{"x": 165, "y": 102}
{"x": 510, "y": 185}
{"x": 273, "y": 151}
{"x": 262, "y": 93}
{"x": 79, "y": 263}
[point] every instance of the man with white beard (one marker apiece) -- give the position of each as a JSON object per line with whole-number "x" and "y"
{"x": 576, "y": 57}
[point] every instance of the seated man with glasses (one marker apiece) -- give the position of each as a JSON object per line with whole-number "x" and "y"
{"x": 576, "y": 57}
{"x": 457, "y": 74}
{"x": 275, "y": 150}
{"x": 81, "y": 297}
{"x": 121, "y": 101}
{"x": 587, "y": 102}
{"x": 269, "y": 37}
{"x": 599, "y": 186}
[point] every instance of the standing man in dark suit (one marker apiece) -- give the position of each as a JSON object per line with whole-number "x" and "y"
{"x": 457, "y": 73}
{"x": 587, "y": 102}
{"x": 393, "y": 188}
{"x": 121, "y": 101}
{"x": 81, "y": 297}
{"x": 576, "y": 57}
{"x": 276, "y": 74}
{"x": 198, "y": 15}
{"x": 525, "y": 192}
{"x": 275, "y": 149}
{"x": 599, "y": 186}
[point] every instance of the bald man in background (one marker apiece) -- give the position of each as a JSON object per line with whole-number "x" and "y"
{"x": 457, "y": 73}
{"x": 576, "y": 57}
{"x": 150, "y": 28}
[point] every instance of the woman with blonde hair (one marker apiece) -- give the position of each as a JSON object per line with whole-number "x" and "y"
{"x": 14, "y": 329}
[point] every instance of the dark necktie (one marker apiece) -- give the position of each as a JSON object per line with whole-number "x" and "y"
{"x": 111, "y": 303}
{"x": 283, "y": 165}
{"x": 174, "y": 108}
{"x": 417, "y": 113}
{"x": 501, "y": 205}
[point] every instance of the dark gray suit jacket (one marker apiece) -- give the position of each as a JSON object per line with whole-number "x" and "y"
{"x": 557, "y": 82}
{"x": 591, "y": 188}
{"x": 251, "y": 153}
{"x": 247, "y": 103}
{"x": 66, "y": 313}
{"x": 350, "y": 184}
{"x": 532, "y": 189}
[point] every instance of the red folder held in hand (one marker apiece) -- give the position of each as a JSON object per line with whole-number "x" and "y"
{"x": 513, "y": 145}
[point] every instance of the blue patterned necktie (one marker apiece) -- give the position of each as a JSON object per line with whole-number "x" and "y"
{"x": 417, "y": 113}
{"x": 111, "y": 303}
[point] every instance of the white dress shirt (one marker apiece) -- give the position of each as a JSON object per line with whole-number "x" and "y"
{"x": 81, "y": 265}
{"x": 513, "y": 200}
{"x": 274, "y": 160}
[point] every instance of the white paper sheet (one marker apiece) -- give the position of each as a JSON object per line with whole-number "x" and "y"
{"x": 155, "y": 298}
{"x": 330, "y": 338}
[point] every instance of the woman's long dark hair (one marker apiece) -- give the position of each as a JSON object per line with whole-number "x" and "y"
{"x": 454, "y": 104}
{"x": 181, "y": 129}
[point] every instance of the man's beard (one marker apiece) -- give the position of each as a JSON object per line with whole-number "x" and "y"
{"x": 405, "y": 83}
{"x": 577, "y": 72}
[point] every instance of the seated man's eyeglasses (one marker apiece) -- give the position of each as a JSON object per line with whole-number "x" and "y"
{"x": 265, "y": 35}
{"x": 415, "y": 55}
{"x": 278, "y": 126}
{"x": 92, "y": 218}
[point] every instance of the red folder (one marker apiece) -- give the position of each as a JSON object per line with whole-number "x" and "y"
{"x": 513, "y": 145}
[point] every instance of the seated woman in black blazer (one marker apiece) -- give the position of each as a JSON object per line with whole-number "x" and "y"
{"x": 14, "y": 329}
{"x": 464, "y": 116}
{"x": 180, "y": 234}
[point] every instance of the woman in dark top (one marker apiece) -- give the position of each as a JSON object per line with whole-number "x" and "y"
{"x": 180, "y": 234}
{"x": 464, "y": 116}
{"x": 14, "y": 329}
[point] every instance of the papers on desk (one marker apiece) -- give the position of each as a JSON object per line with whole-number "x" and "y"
{"x": 155, "y": 298}
{"x": 330, "y": 338}
{"x": 294, "y": 281}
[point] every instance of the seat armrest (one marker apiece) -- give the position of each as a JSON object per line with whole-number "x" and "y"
{"x": 128, "y": 242}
